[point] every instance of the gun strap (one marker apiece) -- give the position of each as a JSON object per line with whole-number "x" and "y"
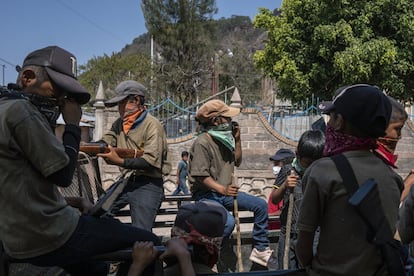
{"x": 346, "y": 172}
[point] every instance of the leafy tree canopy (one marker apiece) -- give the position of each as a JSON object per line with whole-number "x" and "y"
{"x": 316, "y": 46}
{"x": 113, "y": 69}
{"x": 184, "y": 32}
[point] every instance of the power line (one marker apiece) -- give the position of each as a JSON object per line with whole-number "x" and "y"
{"x": 91, "y": 22}
{"x": 9, "y": 63}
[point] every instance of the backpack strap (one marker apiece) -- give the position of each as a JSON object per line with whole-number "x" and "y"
{"x": 347, "y": 173}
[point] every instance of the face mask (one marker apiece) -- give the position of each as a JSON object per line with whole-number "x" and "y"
{"x": 47, "y": 106}
{"x": 223, "y": 127}
{"x": 298, "y": 167}
{"x": 276, "y": 170}
{"x": 224, "y": 137}
{"x": 337, "y": 142}
{"x": 389, "y": 144}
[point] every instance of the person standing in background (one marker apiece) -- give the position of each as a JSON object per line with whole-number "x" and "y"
{"x": 279, "y": 160}
{"x": 309, "y": 148}
{"x": 182, "y": 175}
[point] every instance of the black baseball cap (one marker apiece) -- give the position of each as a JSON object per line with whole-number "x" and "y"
{"x": 61, "y": 67}
{"x": 282, "y": 154}
{"x": 206, "y": 216}
{"x": 364, "y": 106}
{"x": 124, "y": 89}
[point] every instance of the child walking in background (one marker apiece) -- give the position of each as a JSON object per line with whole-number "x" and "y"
{"x": 182, "y": 175}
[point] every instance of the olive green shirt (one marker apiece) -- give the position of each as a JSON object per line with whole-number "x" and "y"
{"x": 343, "y": 248}
{"x": 148, "y": 136}
{"x": 34, "y": 217}
{"x": 209, "y": 157}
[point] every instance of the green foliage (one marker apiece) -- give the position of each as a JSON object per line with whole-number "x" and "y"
{"x": 113, "y": 69}
{"x": 236, "y": 68}
{"x": 315, "y": 46}
{"x": 235, "y": 35}
{"x": 184, "y": 32}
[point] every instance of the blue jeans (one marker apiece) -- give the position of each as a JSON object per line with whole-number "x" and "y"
{"x": 93, "y": 236}
{"x": 181, "y": 187}
{"x": 144, "y": 196}
{"x": 246, "y": 202}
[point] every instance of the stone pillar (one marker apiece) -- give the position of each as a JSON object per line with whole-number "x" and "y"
{"x": 236, "y": 99}
{"x": 99, "y": 113}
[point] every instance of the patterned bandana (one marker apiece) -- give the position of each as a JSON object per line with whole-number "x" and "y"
{"x": 47, "y": 106}
{"x": 212, "y": 244}
{"x": 337, "y": 142}
{"x": 385, "y": 153}
{"x": 132, "y": 113}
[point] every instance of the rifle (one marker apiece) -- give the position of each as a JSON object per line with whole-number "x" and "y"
{"x": 95, "y": 148}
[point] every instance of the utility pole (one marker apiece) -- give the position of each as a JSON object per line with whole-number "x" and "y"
{"x": 152, "y": 64}
{"x": 3, "y": 67}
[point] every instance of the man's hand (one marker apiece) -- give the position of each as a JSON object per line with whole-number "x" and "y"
{"x": 231, "y": 190}
{"x": 176, "y": 247}
{"x": 236, "y": 130}
{"x": 292, "y": 180}
{"x": 71, "y": 111}
{"x": 112, "y": 157}
{"x": 143, "y": 254}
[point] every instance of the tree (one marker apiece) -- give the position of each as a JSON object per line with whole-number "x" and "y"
{"x": 236, "y": 68}
{"x": 113, "y": 69}
{"x": 316, "y": 46}
{"x": 184, "y": 32}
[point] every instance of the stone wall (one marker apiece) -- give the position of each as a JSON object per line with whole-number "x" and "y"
{"x": 259, "y": 141}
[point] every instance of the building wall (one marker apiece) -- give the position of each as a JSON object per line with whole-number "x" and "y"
{"x": 259, "y": 142}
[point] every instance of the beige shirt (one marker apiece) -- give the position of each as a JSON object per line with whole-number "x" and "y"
{"x": 35, "y": 218}
{"x": 148, "y": 136}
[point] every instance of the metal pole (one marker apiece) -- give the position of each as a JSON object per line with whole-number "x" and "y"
{"x": 4, "y": 66}
{"x": 236, "y": 217}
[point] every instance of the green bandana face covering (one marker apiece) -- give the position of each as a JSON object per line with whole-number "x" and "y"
{"x": 224, "y": 136}
{"x": 298, "y": 167}
{"x": 223, "y": 127}
{"x": 223, "y": 133}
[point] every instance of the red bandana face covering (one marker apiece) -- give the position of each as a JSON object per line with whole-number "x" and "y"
{"x": 132, "y": 112}
{"x": 385, "y": 150}
{"x": 212, "y": 244}
{"x": 337, "y": 142}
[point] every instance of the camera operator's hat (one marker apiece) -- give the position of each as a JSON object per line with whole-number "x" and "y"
{"x": 364, "y": 106}
{"x": 282, "y": 154}
{"x": 124, "y": 89}
{"x": 61, "y": 68}
{"x": 213, "y": 109}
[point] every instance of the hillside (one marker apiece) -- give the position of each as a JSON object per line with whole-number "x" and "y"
{"x": 237, "y": 30}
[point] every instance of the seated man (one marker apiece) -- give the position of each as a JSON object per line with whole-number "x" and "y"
{"x": 38, "y": 225}
{"x": 213, "y": 157}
